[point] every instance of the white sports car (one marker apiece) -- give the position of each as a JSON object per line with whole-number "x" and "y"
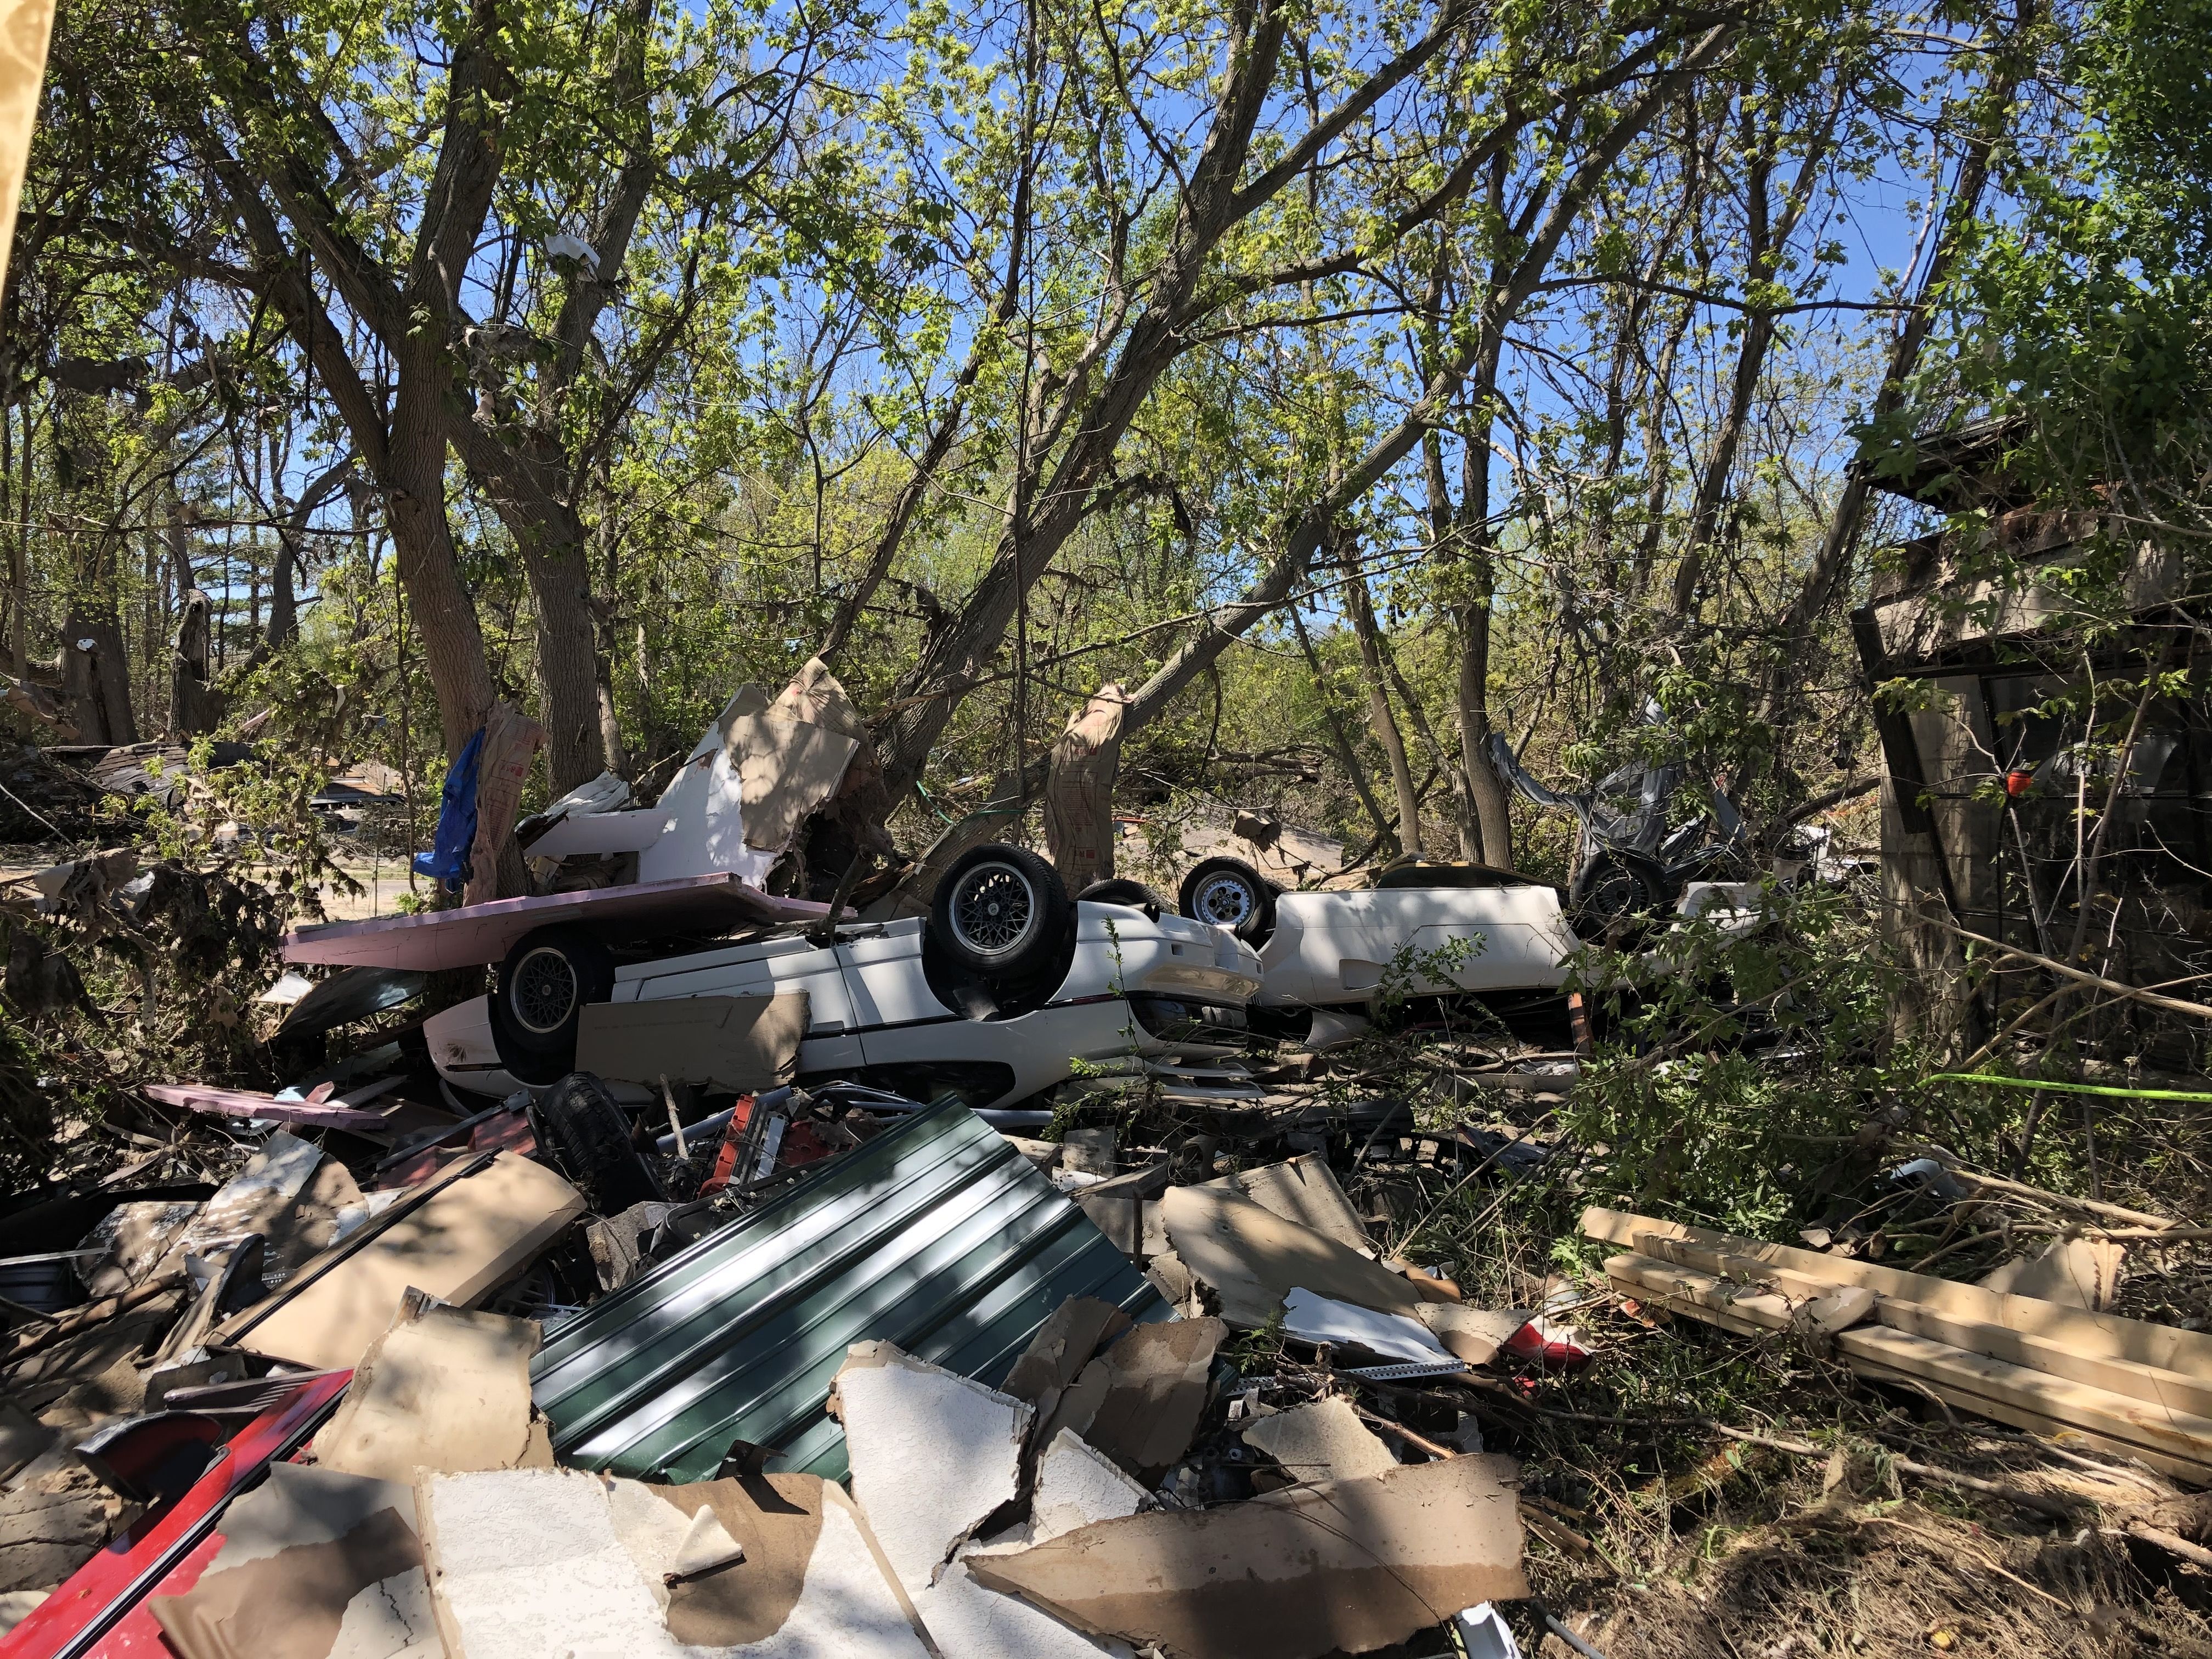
{"x": 1006, "y": 988}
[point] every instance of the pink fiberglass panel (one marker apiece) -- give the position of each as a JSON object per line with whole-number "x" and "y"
{"x": 486, "y": 933}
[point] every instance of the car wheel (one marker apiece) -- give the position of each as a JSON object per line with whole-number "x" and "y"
{"x": 538, "y": 1001}
{"x": 1001, "y": 912}
{"x": 1133, "y": 893}
{"x": 1229, "y": 893}
{"x": 1608, "y": 894}
{"x": 588, "y": 1136}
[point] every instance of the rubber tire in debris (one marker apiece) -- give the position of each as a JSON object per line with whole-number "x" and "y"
{"x": 1118, "y": 889}
{"x": 534, "y": 1045}
{"x": 1001, "y": 912}
{"x": 1608, "y": 893}
{"x": 1206, "y": 897}
{"x": 588, "y": 1136}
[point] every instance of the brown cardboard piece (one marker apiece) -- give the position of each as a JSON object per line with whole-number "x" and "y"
{"x": 297, "y": 1551}
{"x": 1303, "y": 1190}
{"x": 1139, "y": 1401}
{"x": 1344, "y": 1565}
{"x": 2075, "y": 1273}
{"x": 467, "y": 1238}
{"x": 786, "y": 769}
{"x": 444, "y": 1389}
{"x": 739, "y": 1043}
{"x": 1079, "y": 790}
{"x": 1474, "y": 1334}
{"x": 1253, "y": 1258}
{"x": 1061, "y": 1349}
{"x": 776, "y": 1519}
{"x": 1323, "y": 1440}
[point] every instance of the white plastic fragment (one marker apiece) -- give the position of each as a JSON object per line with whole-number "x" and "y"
{"x": 1313, "y": 1318}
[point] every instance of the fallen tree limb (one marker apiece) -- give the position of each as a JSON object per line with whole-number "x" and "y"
{"x": 2081, "y": 976}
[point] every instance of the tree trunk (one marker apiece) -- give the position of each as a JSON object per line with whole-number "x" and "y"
{"x": 1339, "y": 739}
{"x": 1380, "y": 719}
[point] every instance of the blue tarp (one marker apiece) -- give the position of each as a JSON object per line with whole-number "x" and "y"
{"x": 447, "y": 860}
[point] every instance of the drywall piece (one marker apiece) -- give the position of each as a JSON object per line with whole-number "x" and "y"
{"x": 2076, "y": 1273}
{"x": 133, "y": 1240}
{"x": 967, "y": 1619}
{"x": 1091, "y": 1152}
{"x": 445, "y": 1389}
{"x": 22, "y": 1437}
{"x": 706, "y": 1545}
{"x": 1253, "y": 1258}
{"x": 1061, "y": 1348}
{"x": 467, "y": 1238}
{"x": 526, "y": 1563}
{"x": 1474, "y": 1334}
{"x": 934, "y": 1454}
{"x": 1139, "y": 1401}
{"x": 813, "y": 1581}
{"x": 313, "y": 1563}
{"x": 1076, "y": 1485}
{"x": 1322, "y": 1441}
{"x": 738, "y": 1043}
{"x": 1313, "y": 1318}
{"x": 1303, "y": 1190}
{"x": 255, "y": 1199}
{"x": 1349, "y": 1564}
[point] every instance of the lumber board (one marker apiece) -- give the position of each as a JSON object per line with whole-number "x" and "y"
{"x": 2179, "y": 1434}
{"x": 1829, "y": 1308}
{"x": 1999, "y": 1411}
{"x": 1947, "y": 1373}
{"x": 2057, "y": 1356}
{"x": 1699, "y": 1294}
{"x": 2104, "y": 1336}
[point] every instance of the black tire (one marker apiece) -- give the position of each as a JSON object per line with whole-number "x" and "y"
{"x": 1118, "y": 890}
{"x": 588, "y": 1136}
{"x": 1002, "y": 912}
{"x": 539, "y": 1000}
{"x": 1608, "y": 894}
{"x": 1229, "y": 893}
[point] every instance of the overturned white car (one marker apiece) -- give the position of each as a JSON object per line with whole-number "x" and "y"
{"x": 1007, "y": 988}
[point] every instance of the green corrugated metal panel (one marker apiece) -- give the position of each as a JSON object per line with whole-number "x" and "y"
{"x": 937, "y": 1235}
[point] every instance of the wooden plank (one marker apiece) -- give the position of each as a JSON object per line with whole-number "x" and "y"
{"x": 1948, "y": 1374}
{"x": 1999, "y": 1411}
{"x": 2054, "y": 1355}
{"x": 2105, "y": 1336}
{"x": 2179, "y": 1434}
{"x": 1831, "y": 1308}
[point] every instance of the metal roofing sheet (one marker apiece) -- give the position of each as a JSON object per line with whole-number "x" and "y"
{"x": 937, "y": 1235}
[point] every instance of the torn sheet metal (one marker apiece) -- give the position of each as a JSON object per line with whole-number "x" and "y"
{"x": 938, "y": 1236}
{"x": 476, "y": 934}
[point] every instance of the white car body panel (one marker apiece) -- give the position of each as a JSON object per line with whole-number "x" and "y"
{"x": 870, "y": 1003}
{"x": 1336, "y": 947}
